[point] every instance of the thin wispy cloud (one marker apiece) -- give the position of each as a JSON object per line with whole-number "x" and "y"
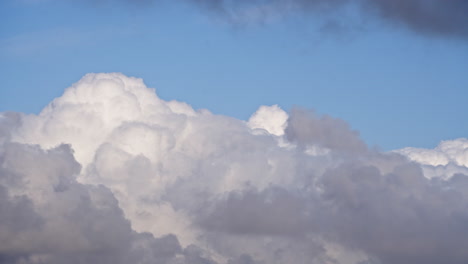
{"x": 37, "y": 42}
{"x": 60, "y": 38}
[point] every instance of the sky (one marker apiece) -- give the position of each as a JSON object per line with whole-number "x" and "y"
{"x": 233, "y": 132}
{"x": 397, "y": 85}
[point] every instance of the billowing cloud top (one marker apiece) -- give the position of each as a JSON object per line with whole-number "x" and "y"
{"x": 110, "y": 173}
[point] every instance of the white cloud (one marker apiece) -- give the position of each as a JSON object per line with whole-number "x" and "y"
{"x": 270, "y": 118}
{"x": 143, "y": 180}
{"x": 447, "y": 159}
{"x": 449, "y": 151}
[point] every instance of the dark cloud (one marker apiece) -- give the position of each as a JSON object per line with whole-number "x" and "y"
{"x": 441, "y": 18}
{"x": 430, "y": 17}
{"x": 270, "y": 212}
{"x": 399, "y": 217}
{"x": 434, "y": 17}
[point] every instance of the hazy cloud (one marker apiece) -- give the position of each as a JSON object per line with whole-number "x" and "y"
{"x": 426, "y": 17}
{"x": 430, "y": 17}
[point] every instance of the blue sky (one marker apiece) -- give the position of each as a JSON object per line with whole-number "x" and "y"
{"x": 396, "y": 87}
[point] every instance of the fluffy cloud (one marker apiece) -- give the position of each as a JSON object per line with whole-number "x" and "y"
{"x": 447, "y": 159}
{"x": 110, "y": 173}
{"x": 450, "y": 151}
{"x": 270, "y": 118}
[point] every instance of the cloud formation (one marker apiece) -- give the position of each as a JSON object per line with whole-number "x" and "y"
{"x": 440, "y": 18}
{"x": 428, "y": 17}
{"x": 110, "y": 173}
{"x": 450, "y": 157}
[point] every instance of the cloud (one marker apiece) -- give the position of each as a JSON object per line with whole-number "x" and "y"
{"x": 446, "y": 18}
{"x": 449, "y": 151}
{"x": 438, "y": 18}
{"x": 270, "y": 118}
{"x": 427, "y": 17}
{"x": 111, "y": 173}
{"x": 306, "y": 128}
{"x": 449, "y": 158}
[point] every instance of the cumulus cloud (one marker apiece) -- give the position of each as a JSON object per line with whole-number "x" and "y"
{"x": 306, "y": 128}
{"x": 47, "y": 217}
{"x": 449, "y": 151}
{"x": 270, "y": 118}
{"x": 450, "y": 157}
{"x": 111, "y": 173}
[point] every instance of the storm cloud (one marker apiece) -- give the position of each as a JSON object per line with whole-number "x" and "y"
{"x": 111, "y": 173}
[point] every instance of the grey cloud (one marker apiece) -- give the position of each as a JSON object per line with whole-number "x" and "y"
{"x": 399, "y": 217}
{"x": 243, "y": 259}
{"x": 274, "y": 211}
{"x": 76, "y": 223}
{"x": 430, "y": 17}
{"x": 426, "y": 17}
{"x": 8, "y": 122}
{"x": 160, "y": 182}
{"x": 16, "y": 215}
{"x": 306, "y": 128}
{"x": 195, "y": 255}
{"x": 437, "y": 17}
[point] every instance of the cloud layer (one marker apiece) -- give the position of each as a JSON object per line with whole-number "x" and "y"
{"x": 428, "y": 17}
{"x": 110, "y": 173}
